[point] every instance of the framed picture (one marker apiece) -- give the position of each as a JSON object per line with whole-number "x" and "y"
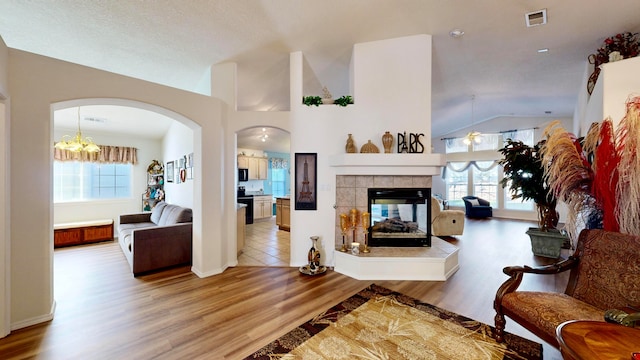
{"x": 305, "y": 181}
{"x": 169, "y": 173}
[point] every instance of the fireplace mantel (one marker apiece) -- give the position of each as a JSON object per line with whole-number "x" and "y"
{"x": 387, "y": 164}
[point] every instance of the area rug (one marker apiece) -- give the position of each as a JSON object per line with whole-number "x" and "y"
{"x": 378, "y": 323}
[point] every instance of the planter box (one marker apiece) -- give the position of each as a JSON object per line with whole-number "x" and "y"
{"x": 546, "y": 243}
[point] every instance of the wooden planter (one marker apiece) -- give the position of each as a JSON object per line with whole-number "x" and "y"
{"x": 546, "y": 243}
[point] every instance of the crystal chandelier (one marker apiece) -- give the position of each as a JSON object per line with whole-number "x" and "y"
{"x": 474, "y": 137}
{"x": 77, "y": 143}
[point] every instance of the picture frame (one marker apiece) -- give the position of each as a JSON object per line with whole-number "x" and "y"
{"x": 306, "y": 168}
{"x": 169, "y": 173}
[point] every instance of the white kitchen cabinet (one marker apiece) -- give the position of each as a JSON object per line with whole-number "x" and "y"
{"x": 262, "y": 206}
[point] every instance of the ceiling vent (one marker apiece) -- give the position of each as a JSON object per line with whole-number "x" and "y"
{"x": 536, "y": 18}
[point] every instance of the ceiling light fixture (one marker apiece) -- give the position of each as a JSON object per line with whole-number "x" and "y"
{"x": 474, "y": 137}
{"x": 77, "y": 143}
{"x": 264, "y": 135}
{"x": 541, "y": 51}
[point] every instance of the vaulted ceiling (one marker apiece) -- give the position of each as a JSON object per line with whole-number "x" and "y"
{"x": 175, "y": 43}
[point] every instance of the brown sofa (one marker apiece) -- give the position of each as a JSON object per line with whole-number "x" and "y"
{"x": 604, "y": 275}
{"x": 156, "y": 240}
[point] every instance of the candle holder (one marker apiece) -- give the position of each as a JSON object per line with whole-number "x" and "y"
{"x": 344, "y": 226}
{"x": 365, "y": 231}
{"x": 353, "y": 217}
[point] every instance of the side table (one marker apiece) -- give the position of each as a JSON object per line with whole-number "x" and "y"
{"x": 594, "y": 340}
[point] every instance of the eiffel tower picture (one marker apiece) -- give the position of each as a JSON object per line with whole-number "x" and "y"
{"x": 305, "y": 181}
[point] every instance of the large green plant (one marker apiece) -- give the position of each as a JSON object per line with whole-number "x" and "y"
{"x": 524, "y": 175}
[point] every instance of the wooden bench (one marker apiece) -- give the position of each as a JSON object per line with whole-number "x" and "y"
{"x": 82, "y": 232}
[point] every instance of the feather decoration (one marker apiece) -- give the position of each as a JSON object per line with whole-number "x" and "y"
{"x": 606, "y": 175}
{"x": 628, "y": 186}
{"x": 568, "y": 174}
{"x": 591, "y": 141}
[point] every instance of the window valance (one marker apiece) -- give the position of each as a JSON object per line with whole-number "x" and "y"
{"x": 464, "y": 166}
{"x": 108, "y": 154}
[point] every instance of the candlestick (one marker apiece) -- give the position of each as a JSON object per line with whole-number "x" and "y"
{"x": 344, "y": 226}
{"x": 365, "y": 230}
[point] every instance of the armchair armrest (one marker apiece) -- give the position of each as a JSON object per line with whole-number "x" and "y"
{"x": 516, "y": 273}
{"x": 135, "y": 218}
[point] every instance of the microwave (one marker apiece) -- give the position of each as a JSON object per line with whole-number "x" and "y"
{"x": 243, "y": 174}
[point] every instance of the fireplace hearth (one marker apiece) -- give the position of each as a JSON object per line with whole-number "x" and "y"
{"x": 399, "y": 217}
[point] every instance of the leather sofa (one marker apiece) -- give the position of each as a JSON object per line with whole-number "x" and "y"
{"x": 445, "y": 222}
{"x": 476, "y": 207}
{"x": 157, "y": 239}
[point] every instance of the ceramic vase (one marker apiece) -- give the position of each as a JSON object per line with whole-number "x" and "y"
{"x": 387, "y": 142}
{"x": 351, "y": 146}
{"x": 314, "y": 255}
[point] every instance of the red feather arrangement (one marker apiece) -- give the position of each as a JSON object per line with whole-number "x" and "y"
{"x": 606, "y": 176}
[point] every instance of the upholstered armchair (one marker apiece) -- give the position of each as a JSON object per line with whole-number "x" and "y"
{"x": 604, "y": 275}
{"x": 445, "y": 222}
{"x": 476, "y": 207}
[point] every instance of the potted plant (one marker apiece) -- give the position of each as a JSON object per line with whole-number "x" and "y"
{"x": 344, "y": 100}
{"x": 312, "y": 100}
{"x": 524, "y": 175}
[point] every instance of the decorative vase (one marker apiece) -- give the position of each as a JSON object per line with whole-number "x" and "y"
{"x": 351, "y": 146}
{"x": 369, "y": 147}
{"x": 387, "y": 142}
{"x": 314, "y": 255}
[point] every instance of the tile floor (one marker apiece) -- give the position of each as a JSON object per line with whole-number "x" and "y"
{"x": 265, "y": 245}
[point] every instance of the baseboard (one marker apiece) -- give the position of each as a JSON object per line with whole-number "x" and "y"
{"x": 35, "y": 320}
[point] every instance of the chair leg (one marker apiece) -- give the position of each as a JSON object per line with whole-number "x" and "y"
{"x": 499, "y": 327}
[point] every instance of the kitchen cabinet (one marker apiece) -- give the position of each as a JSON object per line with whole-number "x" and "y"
{"x": 258, "y": 166}
{"x": 241, "y": 227}
{"x": 262, "y": 206}
{"x": 283, "y": 213}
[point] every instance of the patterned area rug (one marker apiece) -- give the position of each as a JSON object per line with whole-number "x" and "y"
{"x": 378, "y": 323}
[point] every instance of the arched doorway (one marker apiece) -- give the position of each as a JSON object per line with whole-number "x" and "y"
{"x": 151, "y": 129}
{"x": 266, "y": 243}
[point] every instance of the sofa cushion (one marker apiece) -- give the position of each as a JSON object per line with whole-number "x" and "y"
{"x": 474, "y": 202}
{"x": 156, "y": 213}
{"x": 174, "y": 214}
{"x": 131, "y": 226}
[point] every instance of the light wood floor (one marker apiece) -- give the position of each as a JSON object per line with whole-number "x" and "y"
{"x": 103, "y": 312}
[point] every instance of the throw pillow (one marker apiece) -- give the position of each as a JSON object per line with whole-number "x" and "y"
{"x": 474, "y": 202}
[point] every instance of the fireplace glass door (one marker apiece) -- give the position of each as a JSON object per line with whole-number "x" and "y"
{"x": 400, "y": 217}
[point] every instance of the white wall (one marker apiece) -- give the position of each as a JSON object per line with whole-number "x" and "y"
{"x": 5, "y": 197}
{"x": 38, "y": 82}
{"x": 148, "y": 150}
{"x": 177, "y": 143}
{"x": 380, "y": 70}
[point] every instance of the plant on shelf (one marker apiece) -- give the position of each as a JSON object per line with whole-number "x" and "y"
{"x": 621, "y": 46}
{"x": 312, "y": 100}
{"x": 344, "y": 100}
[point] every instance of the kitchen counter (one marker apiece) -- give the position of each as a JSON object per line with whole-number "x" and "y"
{"x": 283, "y": 213}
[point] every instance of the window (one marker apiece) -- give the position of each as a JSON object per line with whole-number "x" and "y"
{"x": 87, "y": 181}
{"x": 279, "y": 182}
{"x": 457, "y": 184}
{"x": 485, "y": 181}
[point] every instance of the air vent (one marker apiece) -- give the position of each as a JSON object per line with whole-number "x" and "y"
{"x": 95, "y": 119}
{"x": 536, "y": 18}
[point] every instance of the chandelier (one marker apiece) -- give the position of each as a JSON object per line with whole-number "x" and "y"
{"x": 77, "y": 143}
{"x": 472, "y": 137}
